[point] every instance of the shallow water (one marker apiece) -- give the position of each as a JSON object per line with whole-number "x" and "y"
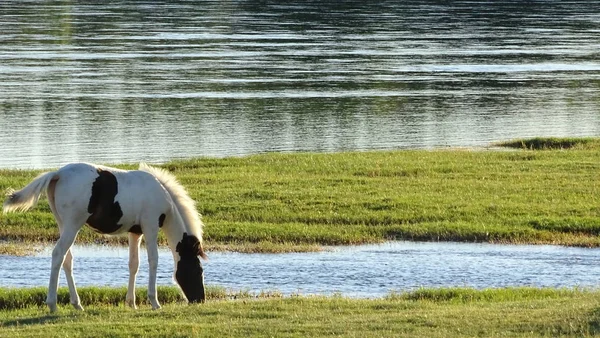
{"x": 360, "y": 271}
{"x": 125, "y": 82}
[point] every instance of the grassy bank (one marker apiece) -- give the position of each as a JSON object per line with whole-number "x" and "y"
{"x": 423, "y": 313}
{"x": 281, "y": 202}
{"x": 20, "y": 298}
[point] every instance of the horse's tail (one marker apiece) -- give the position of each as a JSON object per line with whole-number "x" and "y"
{"x": 28, "y": 197}
{"x": 185, "y": 206}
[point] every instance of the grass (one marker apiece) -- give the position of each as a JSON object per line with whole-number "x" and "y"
{"x": 19, "y": 248}
{"x": 20, "y": 298}
{"x": 298, "y": 202}
{"x": 522, "y": 312}
{"x": 552, "y": 143}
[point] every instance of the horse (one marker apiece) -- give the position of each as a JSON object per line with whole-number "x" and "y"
{"x": 114, "y": 201}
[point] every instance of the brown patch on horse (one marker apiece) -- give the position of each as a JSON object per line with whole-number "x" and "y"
{"x": 105, "y": 212}
{"x": 136, "y": 229}
{"x": 51, "y": 198}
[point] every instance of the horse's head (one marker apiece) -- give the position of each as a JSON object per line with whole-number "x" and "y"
{"x": 189, "y": 274}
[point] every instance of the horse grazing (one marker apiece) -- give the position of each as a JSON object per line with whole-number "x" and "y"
{"x": 114, "y": 201}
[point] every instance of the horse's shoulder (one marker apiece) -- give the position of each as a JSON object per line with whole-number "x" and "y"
{"x": 137, "y": 182}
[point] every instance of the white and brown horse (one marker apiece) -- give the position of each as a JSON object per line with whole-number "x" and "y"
{"x": 114, "y": 201}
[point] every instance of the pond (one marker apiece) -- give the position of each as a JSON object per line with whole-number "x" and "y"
{"x": 150, "y": 81}
{"x": 358, "y": 271}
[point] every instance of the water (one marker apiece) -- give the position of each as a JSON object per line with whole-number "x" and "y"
{"x": 124, "y": 82}
{"x": 361, "y": 271}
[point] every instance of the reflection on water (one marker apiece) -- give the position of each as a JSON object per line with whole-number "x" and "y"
{"x": 361, "y": 271}
{"x": 156, "y": 80}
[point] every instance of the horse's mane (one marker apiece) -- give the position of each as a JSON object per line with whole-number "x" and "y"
{"x": 186, "y": 206}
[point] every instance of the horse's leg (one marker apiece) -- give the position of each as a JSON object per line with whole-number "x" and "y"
{"x": 134, "y": 264}
{"x": 67, "y": 237}
{"x": 68, "y": 262}
{"x": 152, "y": 248}
{"x": 68, "y": 269}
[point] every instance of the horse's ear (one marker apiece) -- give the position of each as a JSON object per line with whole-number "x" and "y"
{"x": 185, "y": 235}
{"x": 202, "y": 254}
{"x": 200, "y": 251}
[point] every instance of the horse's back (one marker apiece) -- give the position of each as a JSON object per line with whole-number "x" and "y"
{"x": 84, "y": 175}
{"x": 108, "y": 199}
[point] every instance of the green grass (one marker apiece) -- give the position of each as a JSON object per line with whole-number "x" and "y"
{"x": 19, "y": 298}
{"x": 522, "y": 312}
{"x": 297, "y": 202}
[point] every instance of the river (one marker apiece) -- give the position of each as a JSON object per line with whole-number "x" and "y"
{"x": 155, "y": 80}
{"x": 365, "y": 271}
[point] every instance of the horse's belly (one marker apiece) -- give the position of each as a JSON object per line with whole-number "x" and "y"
{"x": 107, "y": 223}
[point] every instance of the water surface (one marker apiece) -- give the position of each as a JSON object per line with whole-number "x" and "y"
{"x": 124, "y": 82}
{"x": 360, "y": 271}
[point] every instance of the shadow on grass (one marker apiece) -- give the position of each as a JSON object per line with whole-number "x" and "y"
{"x": 594, "y": 322}
{"x": 44, "y": 319}
{"x": 50, "y": 318}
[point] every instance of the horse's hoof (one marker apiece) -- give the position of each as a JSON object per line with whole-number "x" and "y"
{"x": 78, "y": 307}
{"x": 131, "y": 303}
{"x": 157, "y": 307}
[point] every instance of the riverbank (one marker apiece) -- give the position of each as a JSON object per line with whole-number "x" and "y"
{"x": 299, "y": 202}
{"x": 522, "y": 312}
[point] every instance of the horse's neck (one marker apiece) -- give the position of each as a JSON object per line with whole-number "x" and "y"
{"x": 174, "y": 227}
